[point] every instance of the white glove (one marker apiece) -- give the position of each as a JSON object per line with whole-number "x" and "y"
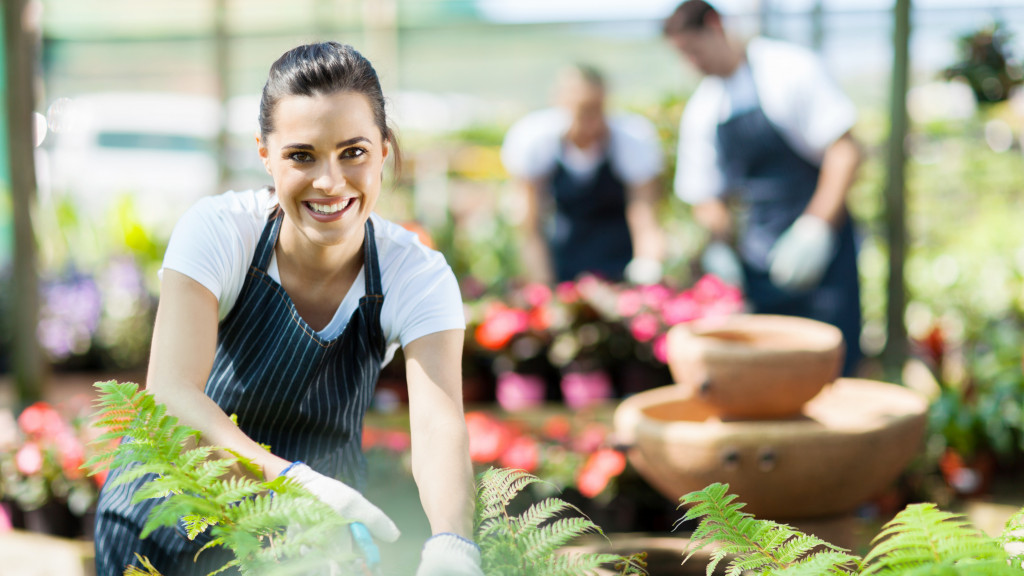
{"x": 721, "y": 260}
{"x": 643, "y": 271}
{"x": 449, "y": 554}
{"x": 802, "y": 253}
{"x": 346, "y": 501}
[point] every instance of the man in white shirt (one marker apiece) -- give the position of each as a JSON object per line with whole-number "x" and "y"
{"x": 591, "y": 182}
{"x": 765, "y": 141}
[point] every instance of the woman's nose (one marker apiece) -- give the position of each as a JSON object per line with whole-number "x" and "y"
{"x": 329, "y": 178}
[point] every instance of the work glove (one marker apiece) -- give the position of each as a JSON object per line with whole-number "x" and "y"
{"x": 346, "y": 501}
{"x": 721, "y": 260}
{"x": 643, "y": 271}
{"x": 448, "y": 554}
{"x": 802, "y": 253}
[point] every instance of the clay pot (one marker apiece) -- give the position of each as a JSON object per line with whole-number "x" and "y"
{"x": 849, "y": 443}
{"x": 753, "y": 366}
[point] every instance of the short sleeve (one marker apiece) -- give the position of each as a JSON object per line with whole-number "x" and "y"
{"x": 800, "y": 97}
{"x": 531, "y": 145}
{"x": 635, "y": 149}
{"x": 421, "y": 294}
{"x": 698, "y": 176}
{"x": 214, "y": 241}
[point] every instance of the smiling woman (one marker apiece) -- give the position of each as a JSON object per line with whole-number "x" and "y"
{"x": 281, "y": 305}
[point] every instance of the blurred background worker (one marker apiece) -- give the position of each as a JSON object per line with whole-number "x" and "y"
{"x": 591, "y": 183}
{"x": 767, "y": 133}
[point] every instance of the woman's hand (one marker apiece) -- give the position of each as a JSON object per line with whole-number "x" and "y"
{"x": 346, "y": 501}
{"x": 449, "y": 555}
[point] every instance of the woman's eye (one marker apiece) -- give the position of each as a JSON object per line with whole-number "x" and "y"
{"x": 300, "y": 156}
{"x": 352, "y": 152}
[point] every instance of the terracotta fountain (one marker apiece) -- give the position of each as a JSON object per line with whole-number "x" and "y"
{"x": 757, "y": 404}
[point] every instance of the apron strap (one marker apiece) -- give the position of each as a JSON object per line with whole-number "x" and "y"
{"x": 370, "y": 262}
{"x": 265, "y": 247}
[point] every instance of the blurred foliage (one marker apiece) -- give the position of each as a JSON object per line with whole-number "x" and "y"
{"x": 987, "y": 63}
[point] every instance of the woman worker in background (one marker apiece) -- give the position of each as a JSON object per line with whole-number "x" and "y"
{"x": 281, "y": 305}
{"x": 590, "y": 182}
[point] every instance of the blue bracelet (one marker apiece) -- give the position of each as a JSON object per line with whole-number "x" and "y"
{"x": 289, "y": 467}
{"x": 461, "y": 538}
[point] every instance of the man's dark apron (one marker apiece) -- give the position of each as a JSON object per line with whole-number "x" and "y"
{"x": 588, "y": 231}
{"x": 774, "y": 184}
{"x": 302, "y": 395}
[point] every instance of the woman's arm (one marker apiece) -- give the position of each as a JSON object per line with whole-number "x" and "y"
{"x": 184, "y": 345}
{"x": 642, "y": 219}
{"x": 440, "y": 442}
{"x": 536, "y": 259}
{"x": 838, "y": 172}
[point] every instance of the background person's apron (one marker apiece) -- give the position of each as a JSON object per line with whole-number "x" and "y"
{"x": 774, "y": 184}
{"x": 302, "y": 395}
{"x": 588, "y": 230}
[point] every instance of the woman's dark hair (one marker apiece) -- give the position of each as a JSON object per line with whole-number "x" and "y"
{"x": 689, "y": 16}
{"x": 321, "y": 69}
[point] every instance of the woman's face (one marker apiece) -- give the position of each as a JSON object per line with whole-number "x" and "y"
{"x": 326, "y": 156}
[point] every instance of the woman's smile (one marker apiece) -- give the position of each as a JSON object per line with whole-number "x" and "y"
{"x": 330, "y": 210}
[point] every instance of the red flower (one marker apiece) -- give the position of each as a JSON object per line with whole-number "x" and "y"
{"x": 100, "y": 477}
{"x": 683, "y": 308}
{"x": 72, "y": 455}
{"x": 371, "y": 437}
{"x": 557, "y": 428}
{"x": 599, "y": 470}
{"x": 630, "y": 302}
{"x": 523, "y": 453}
{"x": 40, "y": 420}
{"x": 488, "y": 438}
{"x": 567, "y": 292}
{"x": 660, "y": 348}
{"x": 590, "y": 438}
{"x": 500, "y": 325}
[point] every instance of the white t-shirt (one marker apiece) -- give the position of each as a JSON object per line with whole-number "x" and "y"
{"x": 534, "y": 144}
{"x": 215, "y": 241}
{"x": 796, "y": 94}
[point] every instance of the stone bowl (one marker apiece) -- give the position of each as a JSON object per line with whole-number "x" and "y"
{"x": 754, "y": 366}
{"x": 849, "y": 443}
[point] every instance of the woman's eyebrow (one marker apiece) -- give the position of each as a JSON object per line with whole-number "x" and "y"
{"x": 352, "y": 141}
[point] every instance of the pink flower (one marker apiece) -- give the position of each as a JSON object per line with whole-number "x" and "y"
{"x": 567, "y": 293}
{"x": 660, "y": 348}
{"x": 5, "y": 520}
{"x": 515, "y": 391}
{"x": 655, "y": 294}
{"x": 536, "y": 294}
{"x": 581, "y": 389}
{"x": 599, "y": 470}
{"x": 29, "y": 459}
{"x": 644, "y": 327}
{"x": 630, "y": 302}
{"x": 397, "y": 441}
{"x": 40, "y": 420}
{"x": 682, "y": 308}
{"x": 590, "y": 438}
{"x": 72, "y": 454}
{"x": 522, "y": 453}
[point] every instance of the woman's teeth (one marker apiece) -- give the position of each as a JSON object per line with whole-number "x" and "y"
{"x": 326, "y": 209}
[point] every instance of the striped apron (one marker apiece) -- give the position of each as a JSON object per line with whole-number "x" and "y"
{"x": 302, "y": 395}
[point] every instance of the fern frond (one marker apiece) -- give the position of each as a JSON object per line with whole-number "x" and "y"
{"x": 923, "y": 535}
{"x": 543, "y": 542}
{"x": 754, "y": 545}
{"x": 146, "y": 570}
{"x": 822, "y": 564}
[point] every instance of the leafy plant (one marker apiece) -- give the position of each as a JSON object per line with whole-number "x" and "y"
{"x": 526, "y": 545}
{"x": 920, "y": 540}
{"x": 257, "y": 521}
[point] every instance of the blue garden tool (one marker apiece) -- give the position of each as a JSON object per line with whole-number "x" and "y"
{"x": 369, "y": 562}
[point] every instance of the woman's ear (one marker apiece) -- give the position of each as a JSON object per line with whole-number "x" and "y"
{"x": 261, "y": 148}
{"x": 385, "y": 150}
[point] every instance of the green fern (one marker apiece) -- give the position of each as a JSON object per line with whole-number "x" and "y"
{"x": 257, "y": 521}
{"x": 526, "y": 545}
{"x": 922, "y": 535}
{"x": 1013, "y": 538}
{"x": 756, "y": 545}
{"x": 920, "y": 541}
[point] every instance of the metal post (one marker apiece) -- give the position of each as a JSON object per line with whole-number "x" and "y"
{"x": 20, "y": 34}
{"x": 895, "y": 352}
